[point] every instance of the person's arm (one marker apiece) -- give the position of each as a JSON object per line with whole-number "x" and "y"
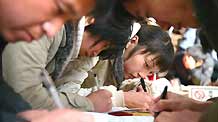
{"x": 74, "y": 76}
{"x": 22, "y": 64}
{"x": 175, "y": 102}
{"x": 210, "y": 115}
{"x": 205, "y": 72}
{"x": 11, "y": 117}
{"x": 56, "y": 115}
{"x": 177, "y": 108}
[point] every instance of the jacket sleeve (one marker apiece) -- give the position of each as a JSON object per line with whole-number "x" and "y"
{"x": 205, "y": 72}
{"x": 211, "y": 114}
{"x": 103, "y": 69}
{"x": 72, "y": 79}
{"x": 22, "y": 64}
{"x": 117, "y": 96}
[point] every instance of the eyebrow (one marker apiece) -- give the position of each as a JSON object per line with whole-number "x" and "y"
{"x": 151, "y": 61}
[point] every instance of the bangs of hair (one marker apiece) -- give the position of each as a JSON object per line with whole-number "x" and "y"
{"x": 156, "y": 42}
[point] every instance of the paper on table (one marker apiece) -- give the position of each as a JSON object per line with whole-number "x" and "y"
{"x": 103, "y": 117}
{"x": 202, "y": 93}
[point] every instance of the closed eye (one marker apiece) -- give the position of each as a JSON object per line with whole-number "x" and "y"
{"x": 146, "y": 64}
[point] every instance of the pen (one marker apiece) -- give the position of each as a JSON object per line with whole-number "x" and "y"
{"x": 49, "y": 84}
{"x": 96, "y": 81}
{"x": 163, "y": 96}
{"x": 143, "y": 84}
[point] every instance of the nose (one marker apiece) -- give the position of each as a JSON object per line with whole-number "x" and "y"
{"x": 52, "y": 26}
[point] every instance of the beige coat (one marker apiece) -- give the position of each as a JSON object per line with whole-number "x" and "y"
{"x": 104, "y": 73}
{"x": 22, "y": 64}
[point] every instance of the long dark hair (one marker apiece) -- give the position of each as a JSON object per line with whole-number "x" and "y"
{"x": 155, "y": 41}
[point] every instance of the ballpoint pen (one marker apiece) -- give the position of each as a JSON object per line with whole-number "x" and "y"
{"x": 96, "y": 81}
{"x": 163, "y": 96}
{"x": 49, "y": 84}
{"x": 143, "y": 84}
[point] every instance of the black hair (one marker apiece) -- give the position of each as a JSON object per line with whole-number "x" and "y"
{"x": 117, "y": 39}
{"x": 206, "y": 46}
{"x": 115, "y": 27}
{"x": 155, "y": 41}
{"x": 206, "y": 13}
{"x": 102, "y": 7}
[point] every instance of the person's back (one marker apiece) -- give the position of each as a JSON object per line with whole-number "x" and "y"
{"x": 178, "y": 70}
{"x": 204, "y": 65}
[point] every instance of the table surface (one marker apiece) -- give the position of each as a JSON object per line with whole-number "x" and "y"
{"x": 105, "y": 117}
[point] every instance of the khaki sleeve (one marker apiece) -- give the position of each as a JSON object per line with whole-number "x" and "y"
{"x": 117, "y": 96}
{"x": 104, "y": 72}
{"x": 22, "y": 64}
{"x": 72, "y": 78}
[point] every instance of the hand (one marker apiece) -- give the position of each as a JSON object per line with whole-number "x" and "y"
{"x": 189, "y": 62}
{"x": 101, "y": 100}
{"x": 138, "y": 99}
{"x": 179, "y": 116}
{"x": 139, "y": 89}
{"x": 175, "y": 102}
{"x": 58, "y": 115}
{"x": 213, "y": 84}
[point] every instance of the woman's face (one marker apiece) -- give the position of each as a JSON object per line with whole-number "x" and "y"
{"x": 140, "y": 65}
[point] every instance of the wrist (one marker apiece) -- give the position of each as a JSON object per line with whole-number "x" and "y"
{"x": 127, "y": 97}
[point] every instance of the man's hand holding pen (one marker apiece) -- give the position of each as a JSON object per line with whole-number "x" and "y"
{"x": 178, "y": 108}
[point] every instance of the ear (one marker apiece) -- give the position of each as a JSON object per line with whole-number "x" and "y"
{"x": 89, "y": 20}
{"x": 133, "y": 42}
{"x": 100, "y": 46}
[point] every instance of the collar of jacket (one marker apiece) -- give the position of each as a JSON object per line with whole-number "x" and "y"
{"x": 118, "y": 70}
{"x": 70, "y": 49}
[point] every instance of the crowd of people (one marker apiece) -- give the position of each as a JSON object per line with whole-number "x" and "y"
{"x": 72, "y": 39}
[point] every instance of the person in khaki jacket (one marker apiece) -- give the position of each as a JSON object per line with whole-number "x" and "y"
{"x": 46, "y": 20}
{"x": 21, "y": 69}
{"x": 149, "y": 51}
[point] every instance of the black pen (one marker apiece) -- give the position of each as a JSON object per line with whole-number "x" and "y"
{"x": 163, "y": 96}
{"x": 143, "y": 84}
{"x": 96, "y": 81}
